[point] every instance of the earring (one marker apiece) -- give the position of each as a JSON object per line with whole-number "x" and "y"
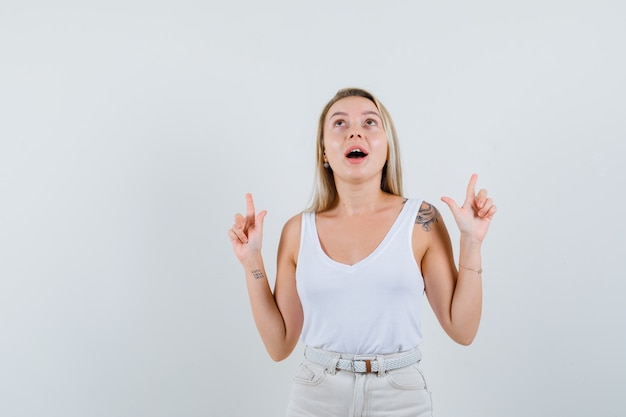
{"x": 326, "y": 165}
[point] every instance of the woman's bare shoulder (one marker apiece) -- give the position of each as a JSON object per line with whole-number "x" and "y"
{"x": 427, "y": 216}
{"x": 290, "y": 237}
{"x": 291, "y": 229}
{"x": 294, "y": 223}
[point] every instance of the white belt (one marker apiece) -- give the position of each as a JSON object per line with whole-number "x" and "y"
{"x": 363, "y": 364}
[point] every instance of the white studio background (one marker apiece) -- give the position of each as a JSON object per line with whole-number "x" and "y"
{"x": 130, "y": 132}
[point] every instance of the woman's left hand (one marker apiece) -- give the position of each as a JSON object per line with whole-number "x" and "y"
{"x": 474, "y": 217}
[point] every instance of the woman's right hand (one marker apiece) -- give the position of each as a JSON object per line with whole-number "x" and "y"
{"x": 247, "y": 233}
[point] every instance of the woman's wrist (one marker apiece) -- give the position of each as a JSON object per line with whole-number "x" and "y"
{"x": 470, "y": 246}
{"x": 478, "y": 270}
{"x": 468, "y": 239}
{"x": 253, "y": 263}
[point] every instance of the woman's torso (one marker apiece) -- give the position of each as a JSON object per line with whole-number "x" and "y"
{"x": 359, "y": 282}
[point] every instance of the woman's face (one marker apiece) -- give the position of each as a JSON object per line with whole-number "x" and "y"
{"x": 355, "y": 141}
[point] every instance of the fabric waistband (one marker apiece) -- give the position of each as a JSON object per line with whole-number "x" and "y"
{"x": 362, "y": 363}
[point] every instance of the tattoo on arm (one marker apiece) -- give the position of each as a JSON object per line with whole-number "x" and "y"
{"x": 427, "y": 215}
{"x": 257, "y": 274}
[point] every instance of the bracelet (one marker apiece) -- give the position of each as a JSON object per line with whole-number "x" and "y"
{"x": 478, "y": 271}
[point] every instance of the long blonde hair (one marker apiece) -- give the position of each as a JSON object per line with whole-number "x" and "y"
{"x": 325, "y": 191}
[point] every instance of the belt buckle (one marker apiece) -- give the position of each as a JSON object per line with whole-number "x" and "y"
{"x": 368, "y": 365}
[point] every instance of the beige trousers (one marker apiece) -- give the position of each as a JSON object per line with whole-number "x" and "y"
{"x": 322, "y": 392}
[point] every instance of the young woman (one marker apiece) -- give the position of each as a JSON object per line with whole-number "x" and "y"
{"x": 353, "y": 268}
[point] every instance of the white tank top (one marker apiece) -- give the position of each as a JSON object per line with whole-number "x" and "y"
{"x": 371, "y": 307}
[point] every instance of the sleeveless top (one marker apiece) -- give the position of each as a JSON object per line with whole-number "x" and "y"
{"x": 371, "y": 307}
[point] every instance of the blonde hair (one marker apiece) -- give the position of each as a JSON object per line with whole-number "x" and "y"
{"x": 325, "y": 192}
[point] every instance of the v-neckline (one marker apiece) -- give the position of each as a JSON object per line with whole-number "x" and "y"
{"x": 369, "y": 256}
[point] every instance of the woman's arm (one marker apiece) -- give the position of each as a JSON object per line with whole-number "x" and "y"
{"x": 456, "y": 296}
{"x": 278, "y": 315}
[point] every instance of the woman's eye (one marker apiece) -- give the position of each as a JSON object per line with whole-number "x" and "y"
{"x": 371, "y": 122}
{"x": 340, "y": 123}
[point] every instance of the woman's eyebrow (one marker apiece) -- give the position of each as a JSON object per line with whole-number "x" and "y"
{"x": 371, "y": 112}
{"x": 338, "y": 113}
{"x": 341, "y": 113}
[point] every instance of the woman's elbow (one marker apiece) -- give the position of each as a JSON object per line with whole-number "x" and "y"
{"x": 280, "y": 353}
{"x": 464, "y": 338}
{"x": 278, "y": 356}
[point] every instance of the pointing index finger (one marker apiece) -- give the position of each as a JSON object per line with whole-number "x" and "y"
{"x": 471, "y": 188}
{"x": 249, "y": 210}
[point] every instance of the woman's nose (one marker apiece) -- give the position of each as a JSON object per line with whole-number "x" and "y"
{"x": 355, "y": 134}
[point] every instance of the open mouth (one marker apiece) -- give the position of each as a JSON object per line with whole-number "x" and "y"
{"x": 356, "y": 153}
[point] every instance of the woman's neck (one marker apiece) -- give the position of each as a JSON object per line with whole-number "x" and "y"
{"x": 355, "y": 200}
